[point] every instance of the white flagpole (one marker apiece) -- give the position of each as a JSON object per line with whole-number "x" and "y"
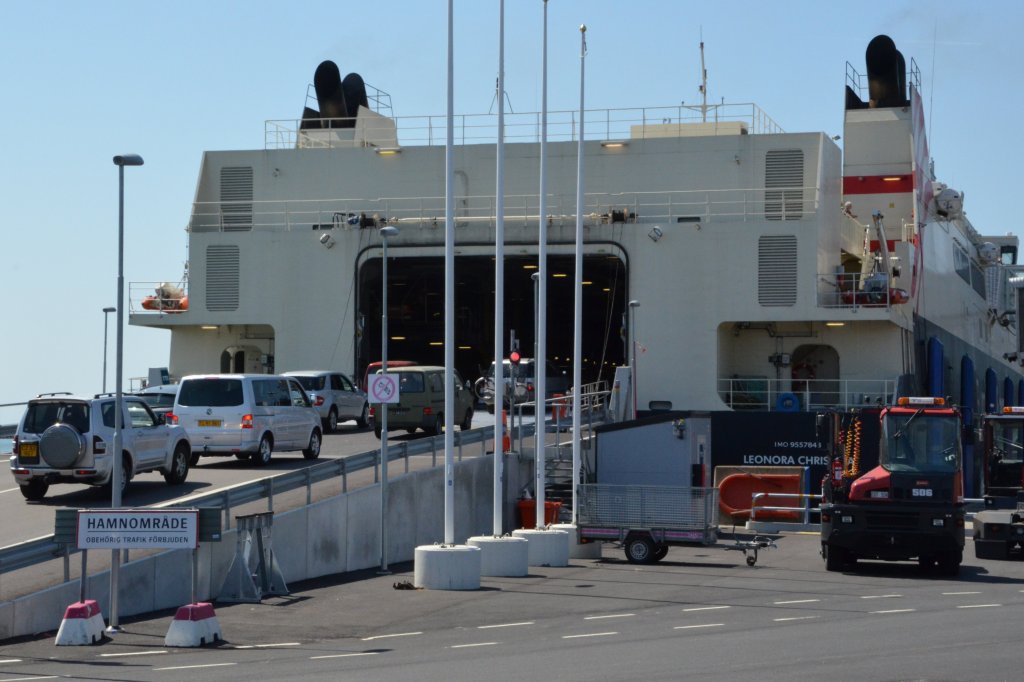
{"x": 499, "y": 279}
{"x": 540, "y": 364}
{"x": 449, "y": 303}
{"x": 577, "y": 346}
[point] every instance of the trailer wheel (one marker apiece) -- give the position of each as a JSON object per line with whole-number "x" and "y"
{"x": 640, "y": 550}
{"x": 660, "y": 552}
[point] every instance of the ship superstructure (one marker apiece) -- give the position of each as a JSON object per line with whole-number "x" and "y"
{"x": 772, "y": 271}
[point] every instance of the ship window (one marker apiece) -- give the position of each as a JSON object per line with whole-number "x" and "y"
{"x": 222, "y": 277}
{"x": 962, "y": 263}
{"x": 776, "y": 270}
{"x": 784, "y": 182}
{"x": 236, "y": 198}
{"x": 978, "y": 279}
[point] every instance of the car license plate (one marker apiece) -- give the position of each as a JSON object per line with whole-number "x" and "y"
{"x": 210, "y": 422}
{"x": 28, "y": 453}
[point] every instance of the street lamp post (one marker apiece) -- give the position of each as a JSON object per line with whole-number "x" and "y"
{"x": 106, "y": 316}
{"x": 385, "y": 232}
{"x": 633, "y": 305}
{"x": 117, "y": 472}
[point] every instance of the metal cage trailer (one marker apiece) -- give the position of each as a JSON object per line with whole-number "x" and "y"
{"x": 646, "y": 520}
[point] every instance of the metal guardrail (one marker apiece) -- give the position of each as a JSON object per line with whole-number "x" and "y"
{"x": 806, "y": 510}
{"x": 39, "y": 550}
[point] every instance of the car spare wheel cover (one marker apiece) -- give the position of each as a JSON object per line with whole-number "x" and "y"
{"x": 60, "y": 445}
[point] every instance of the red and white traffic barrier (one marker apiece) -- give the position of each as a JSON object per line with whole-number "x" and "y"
{"x": 193, "y": 625}
{"x": 82, "y": 624}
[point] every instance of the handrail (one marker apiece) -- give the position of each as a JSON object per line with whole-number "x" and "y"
{"x": 38, "y": 550}
{"x": 705, "y": 206}
{"x": 635, "y": 123}
{"x": 807, "y": 509}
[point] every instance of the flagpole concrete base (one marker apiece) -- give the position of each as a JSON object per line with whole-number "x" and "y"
{"x": 502, "y": 556}
{"x": 547, "y": 547}
{"x": 588, "y": 550}
{"x": 447, "y": 567}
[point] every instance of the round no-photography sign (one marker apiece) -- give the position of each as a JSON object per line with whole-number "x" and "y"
{"x": 383, "y": 388}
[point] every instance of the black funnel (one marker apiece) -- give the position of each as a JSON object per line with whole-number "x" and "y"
{"x": 330, "y": 95}
{"x": 355, "y": 93}
{"x": 887, "y": 79}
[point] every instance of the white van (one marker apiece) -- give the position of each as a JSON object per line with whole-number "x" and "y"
{"x": 246, "y": 415}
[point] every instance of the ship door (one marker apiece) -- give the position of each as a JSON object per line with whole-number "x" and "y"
{"x": 242, "y": 360}
{"x": 815, "y": 375}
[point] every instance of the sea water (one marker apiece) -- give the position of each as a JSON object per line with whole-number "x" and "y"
{"x": 5, "y": 446}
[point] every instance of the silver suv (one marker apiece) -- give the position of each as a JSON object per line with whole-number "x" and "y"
{"x": 69, "y": 439}
{"x": 557, "y": 382}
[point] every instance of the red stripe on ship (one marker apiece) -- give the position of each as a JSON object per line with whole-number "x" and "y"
{"x": 878, "y": 184}
{"x": 891, "y": 243}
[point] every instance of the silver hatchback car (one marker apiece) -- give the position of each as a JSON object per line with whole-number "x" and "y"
{"x": 335, "y": 397}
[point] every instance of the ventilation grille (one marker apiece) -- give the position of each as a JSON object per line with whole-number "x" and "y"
{"x": 236, "y": 198}
{"x": 222, "y": 278}
{"x": 776, "y": 271}
{"x": 784, "y": 169}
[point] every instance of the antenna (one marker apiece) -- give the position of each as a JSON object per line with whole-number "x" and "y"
{"x": 703, "y": 81}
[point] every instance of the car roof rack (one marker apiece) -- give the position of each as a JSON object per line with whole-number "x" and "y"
{"x": 44, "y": 395}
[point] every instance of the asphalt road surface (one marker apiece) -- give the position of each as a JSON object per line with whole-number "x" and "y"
{"x": 700, "y": 614}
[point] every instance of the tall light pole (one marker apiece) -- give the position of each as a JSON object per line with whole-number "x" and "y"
{"x": 385, "y": 232}
{"x": 117, "y": 473}
{"x": 633, "y": 305}
{"x": 106, "y": 316}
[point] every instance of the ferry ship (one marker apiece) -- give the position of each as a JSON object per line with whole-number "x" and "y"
{"x": 748, "y": 268}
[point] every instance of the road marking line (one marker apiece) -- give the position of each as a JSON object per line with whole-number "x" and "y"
{"x": 882, "y": 596}
{"x": 592, "y": 634}
{"x": 951, "y": 594}
{"x": 895, "y": 611}
{"x": 796, "y": 601}
{"x": 360, "y": 653}
{"x": 705, "y": 608}
{"x": 977, "y": 606}
{"x": 466, "y": 646}
{"x": 783, "y": 620}
{"x": 613, "y": 615}
{"x": 24, "y": 679}
{"x": 130, "y": 653}
{"x": 515, "y": 625}
{"x": 11, "y": 490}
{"x": 397, "y": 634}
{"x": 190, "y": 667}
{"x": 11, "y": 660}
{"x": 267, "y": 646}
{"x": 692, "y": 627}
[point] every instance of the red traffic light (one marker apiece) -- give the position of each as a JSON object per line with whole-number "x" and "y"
{"x": 514, "y": 358}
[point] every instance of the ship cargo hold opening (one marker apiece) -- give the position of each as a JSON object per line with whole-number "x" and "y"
{"x": 416, "y": 311}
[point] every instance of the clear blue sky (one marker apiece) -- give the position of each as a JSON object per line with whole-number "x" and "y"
{"x": 83, "y": 81}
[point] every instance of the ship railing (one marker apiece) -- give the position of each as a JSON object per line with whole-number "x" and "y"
{"x": 621, "y": 125}
{"x": 157, "y": 298}
{"x": 858, "y": 82}
{"x": 853, "y": 291}
{"x": 802, "y": 393}
{"x": 683, "y": 209}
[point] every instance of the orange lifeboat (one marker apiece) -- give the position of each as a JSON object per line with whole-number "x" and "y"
{"x": 736, "y": 491}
